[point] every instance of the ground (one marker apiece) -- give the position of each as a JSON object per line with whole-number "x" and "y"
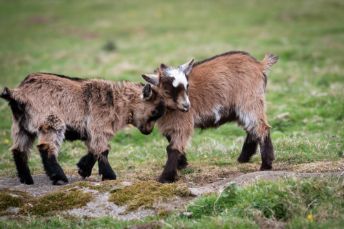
{"x": 122, "y": 40}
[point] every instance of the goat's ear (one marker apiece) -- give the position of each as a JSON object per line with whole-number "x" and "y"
{"x": 163, "y": 66}
{"x": 187, "y": 67}
{"x": 151, "y": 78}
{"x": 147, "y": 92}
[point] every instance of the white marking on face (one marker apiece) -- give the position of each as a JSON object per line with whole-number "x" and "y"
{"x": 216, "y": 111}
{"x": 179, "y": 77}
{"x": 186, "y": 99}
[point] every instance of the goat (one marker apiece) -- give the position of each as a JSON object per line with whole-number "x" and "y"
{"x": 55, "y": 107}
{"x": 227, "y": 87}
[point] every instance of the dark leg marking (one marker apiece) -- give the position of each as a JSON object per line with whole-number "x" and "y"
{"x": 267, "y": 153}
{"x": 248, "y": 149}
{"x": 24, "y": 174}
{"x": 51, "y": 166}
{"x": 182, "y": 161}
{"x": 169, "y": 174}
{"x": 86, "y": 164}
{"x": 104, "y": 167}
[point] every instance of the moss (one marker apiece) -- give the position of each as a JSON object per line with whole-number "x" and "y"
{"x": 12, "y": 198}
{"x": 104, "y": 186}
{"x": 146, "y": 193}
{"x": 56, "y": 201}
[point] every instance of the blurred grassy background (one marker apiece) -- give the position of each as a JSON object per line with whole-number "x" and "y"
{"x": 305, "y": 89}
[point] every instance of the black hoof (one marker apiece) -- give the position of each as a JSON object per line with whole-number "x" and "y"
{"x": 26, "y": 179}
{"x": 109, "y": 177}
{"x": 86, "y": 164}
{"x": 59, "y": 179}
{"x": 60, "y": 182}
{"x": 243, "y": 160}
{"x": 168, "y": 177}
{"x": 265, "y": 167}
{"x": 83, "y": 173}
{"x": 104, "y": 167}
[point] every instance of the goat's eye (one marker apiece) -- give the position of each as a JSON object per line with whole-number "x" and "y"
{"x": 155, "y": 113}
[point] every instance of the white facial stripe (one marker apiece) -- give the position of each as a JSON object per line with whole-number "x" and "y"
{"x": 187, "y": 99}
{"x": 179, "y": 77}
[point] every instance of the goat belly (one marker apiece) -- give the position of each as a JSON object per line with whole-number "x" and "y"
{"x": 73, "y": 134}
{"x": 215, "y": 119}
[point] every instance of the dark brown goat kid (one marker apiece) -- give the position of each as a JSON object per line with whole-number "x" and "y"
{"x": 224, "y": 88}
{"x": 55, "y": 107}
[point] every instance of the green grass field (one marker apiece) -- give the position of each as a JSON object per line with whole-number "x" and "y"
{"x": 305, "y": 92}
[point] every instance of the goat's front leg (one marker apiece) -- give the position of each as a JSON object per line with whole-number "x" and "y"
{"x": 86, "y": 164}
{"x": 169, "y": 173}
{"x": 182, "y": 160}
{"x": 176, "y": 158}
{"x": 104, "y": 167}
{"x": 267, "y": 152}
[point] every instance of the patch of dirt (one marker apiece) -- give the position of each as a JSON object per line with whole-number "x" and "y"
{"x": 41, "y": 186}
{"x": 101, "y": 207}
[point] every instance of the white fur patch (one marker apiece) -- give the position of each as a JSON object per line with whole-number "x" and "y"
{"x": 216, "y": 111}
{"x": 247, "y": 119}
{"x": 179, "y": 77}
{"x": 186, "y": 99}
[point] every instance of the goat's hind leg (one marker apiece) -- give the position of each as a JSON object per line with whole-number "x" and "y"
{"x": 20, "y": 150}
{"x": 248, "y": 149}
{"x": 99, "y": 150}
{"x": 254, "y": 122}
{"x": 267, "y": 152}
{"x": 50, "y": 139}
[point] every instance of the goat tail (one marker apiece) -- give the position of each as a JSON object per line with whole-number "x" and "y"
{"x": 6, "y": 94}
{"x": 269, "y": 60}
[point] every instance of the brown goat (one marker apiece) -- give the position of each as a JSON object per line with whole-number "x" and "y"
{"x": 55, "y": 107}
{"x": 224, "y": 88}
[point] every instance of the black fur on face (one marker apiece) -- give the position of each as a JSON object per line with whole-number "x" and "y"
{"x": 158, "y": 112}
{"x": 170, "y": 90}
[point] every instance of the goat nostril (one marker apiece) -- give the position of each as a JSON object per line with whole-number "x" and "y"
{"x": 186, "y": 106}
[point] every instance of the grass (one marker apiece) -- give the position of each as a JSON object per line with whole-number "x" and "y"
{"x": 305, "y": 89}
{"x": 294, "y": 202}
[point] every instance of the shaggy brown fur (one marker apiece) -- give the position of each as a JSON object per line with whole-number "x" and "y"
{"x": 224, "y": 88}
{"x": 54, "y": 107}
